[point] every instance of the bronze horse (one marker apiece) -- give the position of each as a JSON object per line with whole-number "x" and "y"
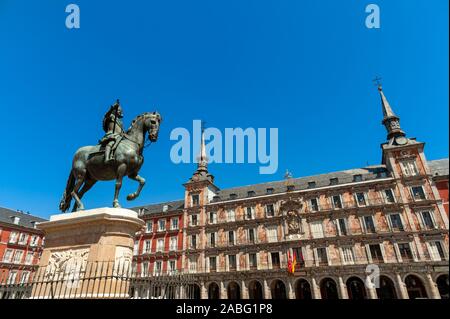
{"x": 88, "y": 165}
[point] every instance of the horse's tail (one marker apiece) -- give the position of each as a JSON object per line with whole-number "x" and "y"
{"x": 67, "y": 196}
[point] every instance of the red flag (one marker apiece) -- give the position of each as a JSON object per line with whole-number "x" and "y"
{"x": 289, "y": 264}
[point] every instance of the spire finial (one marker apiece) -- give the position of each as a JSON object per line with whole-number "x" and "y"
{"x": 202, "y": 158}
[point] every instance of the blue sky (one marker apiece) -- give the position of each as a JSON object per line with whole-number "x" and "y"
{"x": 305, "y": 67}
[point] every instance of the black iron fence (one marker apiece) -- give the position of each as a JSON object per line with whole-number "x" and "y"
{"x": 94, "y": 280}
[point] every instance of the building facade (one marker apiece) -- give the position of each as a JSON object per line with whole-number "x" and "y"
{"x": 374, "y": 232}
{"x": 20, "y": 246}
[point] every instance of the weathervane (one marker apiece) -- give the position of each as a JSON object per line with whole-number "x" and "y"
{"x": 377, "y": 81}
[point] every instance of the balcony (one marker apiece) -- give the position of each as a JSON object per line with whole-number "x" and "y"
{"x": 371, "y": 202}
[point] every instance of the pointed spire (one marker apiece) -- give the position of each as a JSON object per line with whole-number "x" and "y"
{"x": 202, "y": 159}
{"x": 390, "y": 120}
{"x": 387, "y": 110}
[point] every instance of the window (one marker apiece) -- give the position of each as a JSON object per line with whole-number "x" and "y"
{"x": 334, "y": 181}
{"x": 174, "y": 223}
{"x": 147, "y": 246}
{"x": 195, "y": 200}
{"x": 368, "y": 224}
{"x": 314, "y": 204}
{"x": 7, "y": 256}
{"x": 172, "y": 266}
{"x": 149, "y": 226}
{"x": 12, "y": 277}
{"x": 418, "y": 193}
{"x": 360, "y": 199}
{"x": 18, "y": 256}
{"x": 317, "y": 229}
{"x": 375, "y": 253}
{"x": 160, "y": 245}
{"x": 395, "y": 222}
{"x": 348, "y": 256}
{"x": 275, "y": 260}
{"x": 270, "y": 210}
{"x": 23, "y": 238}
{"x": 357, "y": 178}
{"x": 322, "y": 258}
{"x": 173, "y": 246}
{"x": 311, "y": 184}
{"x": 250, "y": 193}
{"x": 269, "y": 191}
{"x": 409, "y": 168}
{"x": 388, "y": 195}
{"x": 427, "y": 220}
{"x": 251, "y": 236}
{"x": 298, "y": 253}
{"x": 233, "y": 196}
{"x": 193, "y": 241}
{"x": 212, "y": 240}
{"x": 405, "y": 251}
{"x": 337, "y": 202}
{"x": 29, "y": 258}
{"x": 34, "y": 240}
{"x": 144, "y": 269}
{"x": 342, "y": 227}
{"x": 136, "y": 247}
{"x": 250, "y": 212}
{"x": 290, "y": 188}
{"x": 212, "y": 263}
{"x": 161, "y": 225}
{"x": 15, "y": 220}
{"x": 272, "y": 234}
{"x": 231, "y": 241}
{"x": 158, "y": 268}
{"x": 252, "y": 260}
{"x": 231, "y": 216}
{"x": 232, "y": 262}
{"x": 25, "y": 277}
{"x": 437, "y": 251}
{"x": 192, "y": 264}
{"x": 165, "y": 208}
{"x": 212, "y": 217}
{"x": 13, "y": 237}
{"x": 194, "y": 220}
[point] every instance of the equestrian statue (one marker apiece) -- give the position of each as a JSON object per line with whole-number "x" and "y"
{"x": 118, "y": 154}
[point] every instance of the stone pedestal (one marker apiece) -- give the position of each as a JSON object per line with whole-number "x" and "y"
{"x": 87, "y": 254}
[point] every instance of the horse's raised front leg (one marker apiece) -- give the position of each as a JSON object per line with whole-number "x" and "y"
{"x": 120, "y": 173}
{"x": 141, "y": 181}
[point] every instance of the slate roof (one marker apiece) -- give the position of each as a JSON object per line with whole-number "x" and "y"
{"x": 369, "y": 173}
{"x": 158, "y": 208}
{"x": 439, "y": 167}
{"x": 26, "y": 220}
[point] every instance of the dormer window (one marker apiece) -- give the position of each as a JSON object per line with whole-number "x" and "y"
{"x": 334, "y": 181}
{"x": 290, "y": 188}
{"x": 233, "y": 196}
{"x": 357, "y": 178}
{"x": 15, "y": 220}
{"x": 216, "y": 198}
{"x": 33, "y": 224}
{"x": 165, "y": 208}
{"x": 269, "y": 191}
{"x": 311, "y": 184}
{"x": 250, "y": 193}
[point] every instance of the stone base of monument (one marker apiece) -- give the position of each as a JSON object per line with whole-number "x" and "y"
{"x": 87, "y": 254}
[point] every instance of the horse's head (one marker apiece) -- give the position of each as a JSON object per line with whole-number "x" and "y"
{"x": 152, "y": 123}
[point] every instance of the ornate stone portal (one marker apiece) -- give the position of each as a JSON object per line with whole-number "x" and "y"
{"x": 87, "y": 254}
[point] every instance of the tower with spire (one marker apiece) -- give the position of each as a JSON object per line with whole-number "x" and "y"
{"x": 391, "y": 121}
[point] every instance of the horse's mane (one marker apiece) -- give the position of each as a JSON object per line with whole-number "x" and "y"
{"x": 137, "y": 118}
